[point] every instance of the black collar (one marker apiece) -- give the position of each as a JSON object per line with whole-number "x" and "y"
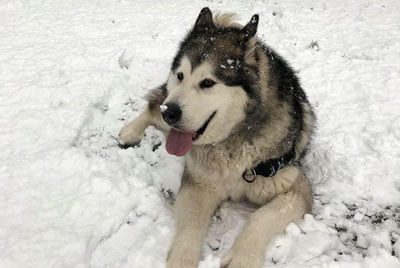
{"x": 269, "y": 167}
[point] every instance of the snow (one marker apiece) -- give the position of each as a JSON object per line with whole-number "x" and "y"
{"x": 163, "y": 108}
{"x": 72, "y": 73}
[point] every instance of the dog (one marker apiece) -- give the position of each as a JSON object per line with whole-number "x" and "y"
{"x": 235, "y": 109}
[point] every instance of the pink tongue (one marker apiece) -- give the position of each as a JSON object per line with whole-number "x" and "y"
{"x": 179, "y": 143}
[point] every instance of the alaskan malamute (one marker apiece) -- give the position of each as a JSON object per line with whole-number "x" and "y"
{"x": 236, "y": 111}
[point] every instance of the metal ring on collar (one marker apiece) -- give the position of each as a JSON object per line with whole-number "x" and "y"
{"x": 249, "y": 175}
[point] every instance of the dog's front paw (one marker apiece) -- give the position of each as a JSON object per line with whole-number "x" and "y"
{"x": 241, "y": 259}
{"x": 129, "y": 135}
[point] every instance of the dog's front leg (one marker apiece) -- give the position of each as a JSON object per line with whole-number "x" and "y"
{"x": 269, "y": 220}
{"x": 194, "y": 207}
{"x": 133, "y": 132}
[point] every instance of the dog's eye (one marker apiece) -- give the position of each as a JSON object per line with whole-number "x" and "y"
{"x": 206, "y": 83}
{"x": 180, "y": 76}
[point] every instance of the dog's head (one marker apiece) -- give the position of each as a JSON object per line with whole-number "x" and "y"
{"x": 210, "y": 82}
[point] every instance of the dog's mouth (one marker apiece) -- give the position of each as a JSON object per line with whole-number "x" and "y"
{"x": 203, "y": 128}
{"x": 180, "y": 142}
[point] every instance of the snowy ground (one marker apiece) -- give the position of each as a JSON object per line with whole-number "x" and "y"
{"x": 73, "y": 72}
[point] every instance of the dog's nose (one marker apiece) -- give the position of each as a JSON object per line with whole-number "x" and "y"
{"x": 172, "y": 114}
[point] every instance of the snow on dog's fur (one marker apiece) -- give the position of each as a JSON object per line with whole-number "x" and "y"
{"x": 230, "y": 102}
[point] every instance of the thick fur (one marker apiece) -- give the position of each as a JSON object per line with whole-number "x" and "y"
{"x": 261, "y": 113}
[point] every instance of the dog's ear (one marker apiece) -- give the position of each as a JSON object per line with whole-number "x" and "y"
{"x": 204, "y": 20}
{"x": 250, "y": 29}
